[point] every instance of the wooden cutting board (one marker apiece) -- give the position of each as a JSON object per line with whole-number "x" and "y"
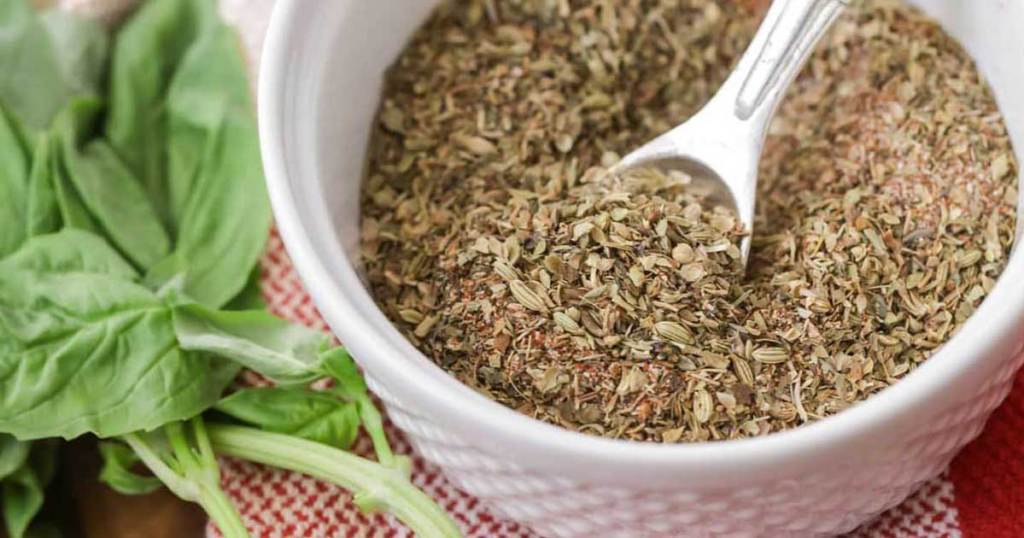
{"x": 103, "y": 513}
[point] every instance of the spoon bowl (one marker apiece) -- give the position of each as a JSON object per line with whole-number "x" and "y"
{"x": 703, "y": 180}
{"x": 719, "y": 147}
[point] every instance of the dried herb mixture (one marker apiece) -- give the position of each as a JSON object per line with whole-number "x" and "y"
{"x": 618, "y": 306}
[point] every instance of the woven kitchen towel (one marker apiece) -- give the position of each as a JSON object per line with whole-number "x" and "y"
{"x": 981, "y": 495}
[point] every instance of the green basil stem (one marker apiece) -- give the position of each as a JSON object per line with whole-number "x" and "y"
{"x": 374, "y": 485}
{"x": 192, "y": 473}
{"x": 223, "y": 513}
{"x": 374, "y": 426}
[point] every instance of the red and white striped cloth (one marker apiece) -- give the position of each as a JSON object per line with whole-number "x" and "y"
{"x": 981, "y": 495}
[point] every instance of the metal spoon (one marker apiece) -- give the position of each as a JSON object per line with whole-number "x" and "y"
{"x": 719, "y": 147}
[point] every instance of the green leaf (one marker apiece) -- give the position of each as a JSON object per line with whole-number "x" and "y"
{"x": 13, "y": 454}
{"x": 350, "y": 383}
{"x": 118, "y": 461}
{"x": 82, "y": 50}
{"x": 82, "y": 349}
{"x": 298, "y": 411}
{"x": 114, "y": 197}
{"x": 211, "y": 130}
{"x": 285, "y": 352}
{"x": 15, "y": 163}
{"x": 72, "y": 211}
{"x": 219, "y": 206}
{"x": 43, "y": 213}
{"x": 144, "y": 60}
{"x": 22, "y": 496}
{"x": 251, "y": 297}
{"x": 21, "y": 493}
{"x": 181, "y": 118}
{"x": 339, "y": 365}
{"x": 69, "y": 250}
{"x": 36, "y": 75}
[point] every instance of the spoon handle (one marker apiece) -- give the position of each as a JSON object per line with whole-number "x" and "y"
{"x": 797, "y": 27}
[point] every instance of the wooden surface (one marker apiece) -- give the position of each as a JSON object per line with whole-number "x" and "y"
{"x": 103, "y": 513}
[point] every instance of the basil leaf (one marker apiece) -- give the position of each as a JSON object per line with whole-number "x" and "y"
{"x": 21, "y": 493}
{"x": 219, "y": 206}
{"x": 72, "y": 211}
{"x": 251, "y": 296}
{"x": 351, "y": 385}
{"x": 117, "y": 473}
{"x": 211, "y": 129}
{"x": 43, "y": 211}
{"x": 181, "y": 119}
{"x": 339, "y": 365}
{"x": 298, "y": 411}
{"x": 82, "y": 48}
{"x": 285, "y": 352}
{"x": 36, "y": 75}
{"x": 144, "y": 59}
{"x": 81, "y": 349}
{"x": 15, "y": 163}
{"x": 13, "y": 454}
{"x": 67, "y": 251}
{"x": 22, "y": 498}
{"x": 106, "y": 187}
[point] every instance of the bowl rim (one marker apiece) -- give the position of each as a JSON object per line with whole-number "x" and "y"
{"x": 981, "y": 339}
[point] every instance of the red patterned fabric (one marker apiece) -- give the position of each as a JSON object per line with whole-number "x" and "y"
{"x": 982, "y": 495}
{"x": 989, "y": 473}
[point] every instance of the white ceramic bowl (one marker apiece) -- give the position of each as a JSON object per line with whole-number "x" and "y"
{"x": 319, "y": 88}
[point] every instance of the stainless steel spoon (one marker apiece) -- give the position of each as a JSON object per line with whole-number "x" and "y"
{"x": 719, "y": 147}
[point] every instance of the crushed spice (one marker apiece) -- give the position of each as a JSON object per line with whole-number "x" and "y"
{"x": 618, "y": 306}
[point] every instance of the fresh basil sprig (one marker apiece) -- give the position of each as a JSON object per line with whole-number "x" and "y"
{"x": 132, "y": 218}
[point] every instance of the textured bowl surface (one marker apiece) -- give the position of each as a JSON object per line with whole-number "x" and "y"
{"x": 319, "y": 87}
